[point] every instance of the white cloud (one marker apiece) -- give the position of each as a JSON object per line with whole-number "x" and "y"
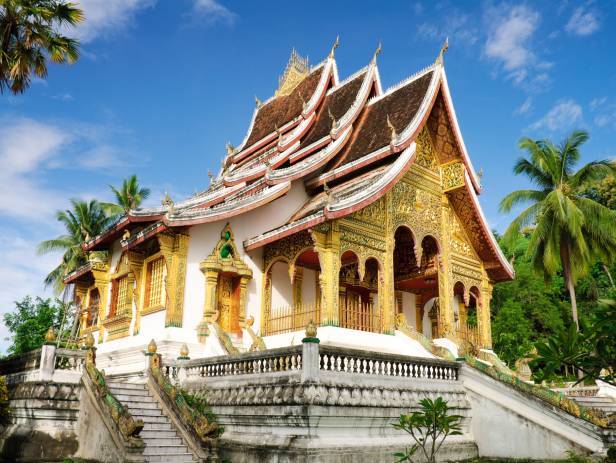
{"x": 107, "y": 17}
{"x": 564, "y": 115}
{"x": 63, "y": 97}
{"x": 459, "y": 27}
{"x": 582, "y": 22}
{"x": 212, "y": 11}
{"x": 509, "y": 42}
{"x": 595, "y": 103}
{"x": 525, "y": 107}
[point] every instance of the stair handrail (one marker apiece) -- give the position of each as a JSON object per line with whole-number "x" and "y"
{"x": 128, "y": 427}
{"x": 200, "y": 433}
{"x": 545, "y": 394}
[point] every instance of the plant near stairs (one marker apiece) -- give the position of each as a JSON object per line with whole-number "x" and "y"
{"x": 429, "y": 428}
{"x": 195, "y": 413}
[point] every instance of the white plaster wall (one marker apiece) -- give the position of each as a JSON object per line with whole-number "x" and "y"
{"x": 408, "y": 308}
{"x": 282, "y": 292}
{"x": 150, "y": 324}
{"x": 309, "y": 287}
{"x": 355, "y": 339}
{"x": 204, "y": 237}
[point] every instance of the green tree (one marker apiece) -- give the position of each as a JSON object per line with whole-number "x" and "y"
{"x": 592, "y": 350}
{"x": 29, "y": 321}
{"x": 85, "y": 220}
{"x": 569, "y": 230}
{"x": 513, "y": 332}
{"x": 429, "y": 428}
{"x": 128, "y": 197}
{"x": 30, "y": 35}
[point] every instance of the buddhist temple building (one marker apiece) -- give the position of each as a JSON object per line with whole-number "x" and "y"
{"x": 346, "y": 204}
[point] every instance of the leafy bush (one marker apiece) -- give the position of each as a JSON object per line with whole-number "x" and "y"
{"x": 429, "y": 428}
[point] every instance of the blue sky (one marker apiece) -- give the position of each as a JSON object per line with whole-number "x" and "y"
{"x": 162, "y": 85}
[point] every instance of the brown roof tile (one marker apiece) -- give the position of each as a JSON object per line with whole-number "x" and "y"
{"x": 372, "y": 131}
{"x": 338, "y": 103}
{"x": 283, "y": 109}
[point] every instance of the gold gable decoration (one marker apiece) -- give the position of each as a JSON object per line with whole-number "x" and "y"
{"x": 296, "y": 71}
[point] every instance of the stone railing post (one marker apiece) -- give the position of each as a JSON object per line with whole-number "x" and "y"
{"x": 310, "y": 354}
{"x": 48, "y": 356}
{"x": 150, "y": 353}
{"x": 182, "y": 359}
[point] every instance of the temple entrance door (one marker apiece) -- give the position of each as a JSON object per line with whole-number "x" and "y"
{"x": 229, "y": 303}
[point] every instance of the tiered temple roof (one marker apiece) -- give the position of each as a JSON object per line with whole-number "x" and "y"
{"x": 348, "y": 141}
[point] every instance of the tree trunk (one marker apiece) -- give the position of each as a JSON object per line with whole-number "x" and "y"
{"x": 565, "y": 257}
{"x": 606, "y": 269}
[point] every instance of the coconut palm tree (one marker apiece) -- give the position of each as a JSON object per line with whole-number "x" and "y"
{"x": 85, "y": 220}
{"x": 568, "y": 230}
{"x": 128, "y": 197}
{"x": 30, "y": 34}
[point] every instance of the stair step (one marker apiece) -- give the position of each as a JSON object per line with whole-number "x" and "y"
{"x": 156, "y": 441}
{"x": 140, "y": 405}
{"x": 178, "y": 458}
{"x": 134, "y": 386}
{"x": 158, "y": 427}
{"x": 598, "y": 399}
{"x": 165, "y": 449}
{"x": 132, "y": 393}
{"x": 141, "y": 412}
{"x": 153, "y": 419}
{"x": 157, "y": 434}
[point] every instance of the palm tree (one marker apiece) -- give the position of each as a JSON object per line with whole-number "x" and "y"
{"x": 569, "y": 230}
{"x": 128, "y": 197}
{"x": 29, "y": 35}
{"x": 84, "y": 221}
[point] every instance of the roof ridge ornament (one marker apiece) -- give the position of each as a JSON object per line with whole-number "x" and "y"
{"x": 230, "y": 148}
{"x": 258, "y": 103}
{"x": 334, "y": 46}
{"x": 394, "y": 135}
{"x": 444, "y": 48}
{"x": 168, "y": 203}
{"x": 331, "y": 116}
{"x": 377, "y": 52}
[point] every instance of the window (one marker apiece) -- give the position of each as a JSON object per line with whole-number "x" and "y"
{"x": 154, "y": 283}
{"x": 120, "y": 297}
{"x": 93, "y": 306}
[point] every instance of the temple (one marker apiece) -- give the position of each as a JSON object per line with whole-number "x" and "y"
{"x": 347, "y": 205}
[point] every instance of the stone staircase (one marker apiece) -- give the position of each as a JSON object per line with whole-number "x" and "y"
{"x": 162, "y": 441}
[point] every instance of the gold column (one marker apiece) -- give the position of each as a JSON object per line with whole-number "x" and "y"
{"x": 266, "y": 302}
{"x": 81, "y": 291}
{"x": 135, "y": 263}
{"x": 298, "y": 277}
{"x": 242, "y": 309}
{"x": 175, "y": 250}
{"x": 101, "y": 281}
{"x": 327, "y": 244}
{"x": 445, "y": 287}
{"x": 483, "y": 313}
{"x": 419, "y": 313}
{"x": 387, "y": 297}
{"x": 211, "y": 282}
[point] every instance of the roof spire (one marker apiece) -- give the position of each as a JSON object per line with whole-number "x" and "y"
{"x": 334, "y": 46}
{"x": 377, "y": 52}
{"x": 257, "y": 102}
{"x": 444, "y": 48}
{"x": 297, "y": 69}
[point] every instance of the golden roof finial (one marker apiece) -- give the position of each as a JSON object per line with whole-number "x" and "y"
{"x": 392, "y": 128}
{"x": 444, "y": 48}
{"x": 377, "y": 52}
{"x": 257, "y": 102}
{"x": 334, "y": 46}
